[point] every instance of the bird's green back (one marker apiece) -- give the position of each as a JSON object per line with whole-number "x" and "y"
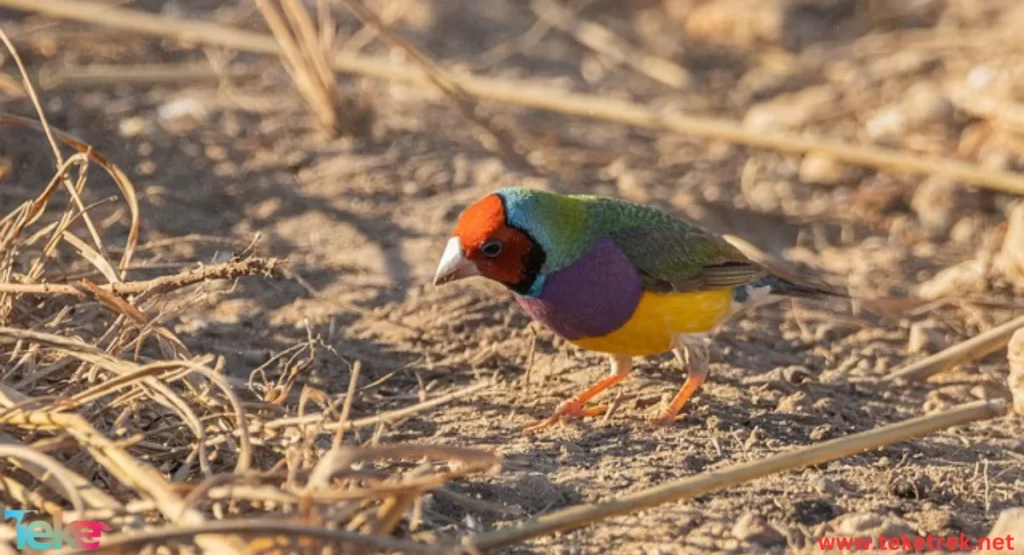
{"x": 669, "y": 252}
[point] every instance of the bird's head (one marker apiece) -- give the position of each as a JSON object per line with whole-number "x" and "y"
{"x": 484, "y": 243}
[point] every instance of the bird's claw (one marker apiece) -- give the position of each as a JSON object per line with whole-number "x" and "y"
{"x": 569, "y": 409}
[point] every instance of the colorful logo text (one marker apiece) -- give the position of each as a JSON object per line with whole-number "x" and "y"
{"x": 42, "y": 535}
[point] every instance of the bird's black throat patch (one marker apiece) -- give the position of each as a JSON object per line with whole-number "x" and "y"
{"x": 533, "y": 260}
{"x": 532, "y": 263}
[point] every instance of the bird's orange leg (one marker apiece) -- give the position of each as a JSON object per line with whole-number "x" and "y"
{"x": 574, "y": 408}
{"x": 695, "y": 357}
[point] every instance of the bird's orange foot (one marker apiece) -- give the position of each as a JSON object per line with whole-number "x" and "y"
{"x": 570, "y": 409}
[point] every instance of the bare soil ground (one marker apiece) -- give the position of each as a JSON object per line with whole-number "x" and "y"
{"x": 362, "y": 221}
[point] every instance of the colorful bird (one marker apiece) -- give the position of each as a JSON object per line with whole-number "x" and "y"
{"x": 613, "y": 277}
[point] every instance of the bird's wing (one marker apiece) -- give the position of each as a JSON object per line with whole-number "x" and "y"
{"x": 680, "y": 257}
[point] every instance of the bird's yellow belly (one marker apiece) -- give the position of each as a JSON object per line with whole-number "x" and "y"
{"x": 659, "y": 316}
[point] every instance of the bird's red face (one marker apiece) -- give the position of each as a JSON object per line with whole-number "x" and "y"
{"x": 483, "y": 244}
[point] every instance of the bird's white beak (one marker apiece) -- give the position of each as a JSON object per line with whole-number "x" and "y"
{"x": 454, "y": 265}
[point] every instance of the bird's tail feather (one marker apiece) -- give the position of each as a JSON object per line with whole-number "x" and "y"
{"x": 773, "y": 287}
{"x": 778, "y": 285}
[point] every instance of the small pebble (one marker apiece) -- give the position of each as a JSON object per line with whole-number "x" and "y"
{"x": 145, "y": 168}
{"x": 132, "y": 127}
{"x": 817, "y": 169}
{"x": 825, "y": 486}
{"x": 795, "y": 403}
{"x": 858, "y": 523}
{"x": 887, "y": 125}
{"x": 754, "y": 529}
{"x": 826, "y": 405}
{"x": 819, "y": 433}
{"x": 925, "y": 337}
{"x": 981, "y": 77}
{"x": 182, "y": 114}
{"x": 936, "y": 201}
{"x": 966, "y": 230}
{"x": 925, "y": 103}
{"x": 796, "y": 374}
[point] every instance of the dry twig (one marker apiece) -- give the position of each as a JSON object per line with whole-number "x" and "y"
{"x": 265, "y": 267}
{"x": 103, "y": 75}
{"x": 974, "y": 348}
{"x": 693, "y": 486}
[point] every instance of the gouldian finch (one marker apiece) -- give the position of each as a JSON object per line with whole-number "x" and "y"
{"x": 611, "y": 276}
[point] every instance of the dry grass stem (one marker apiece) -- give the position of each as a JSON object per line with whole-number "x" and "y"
{"x": 30, "y": 90}
{"x": 119, "y": 463}
{"x": 693, "y": 486}
{"x": 346, "y": 409}
{"x": 103, "y": 75}
{"x": 89, "y": 430}
{"x": 92, "y": 496}
{"x": 513, "y": 142}
{"x": 538, "y": 97}
{"x": 384, "y": 417}
{"x": 602, "y": 40}
{"x": 265, "y": 267}
{"x": 52, "y": 466}
{"x": 124, "y": 184}
{"x": 973, "y": 349}
{"x": 304, "y": 58}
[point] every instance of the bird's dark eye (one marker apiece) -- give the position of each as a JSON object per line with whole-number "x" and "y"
{"x": 491, "y": 248}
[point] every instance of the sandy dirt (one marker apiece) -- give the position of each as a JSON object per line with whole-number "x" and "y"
{"x": 363, "y": 220}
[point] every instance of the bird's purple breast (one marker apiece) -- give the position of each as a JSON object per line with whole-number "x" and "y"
{"x": 594, "y": 296}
